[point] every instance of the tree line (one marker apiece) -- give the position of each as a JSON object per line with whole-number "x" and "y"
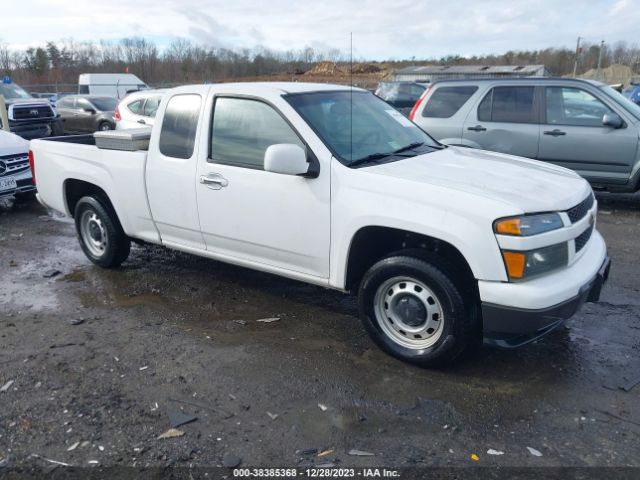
{"x": 186, "y": 62}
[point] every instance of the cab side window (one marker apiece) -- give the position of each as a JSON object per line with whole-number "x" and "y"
{"x": 179, "y": 126}
{"x": 243, "y": 129}
{"x": 514, "y": 104}
{"x": 574, "y": 107}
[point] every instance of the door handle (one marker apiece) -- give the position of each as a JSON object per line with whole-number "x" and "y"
{"x": 555, "y": 133}
{"x": 214, "y": 181}
{"x": 477, "y": 128}
{"x": 142, "y": 121}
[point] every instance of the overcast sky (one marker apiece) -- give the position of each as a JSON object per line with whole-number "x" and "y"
{"x": 395, "y": 29}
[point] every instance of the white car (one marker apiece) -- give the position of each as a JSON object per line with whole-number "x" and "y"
{"x": 15, "y": 176}
{"x": 332, "y": 186}
{"x": 138, "y": 109}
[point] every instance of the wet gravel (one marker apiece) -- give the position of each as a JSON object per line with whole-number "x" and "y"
{"x": 97, "y": 358}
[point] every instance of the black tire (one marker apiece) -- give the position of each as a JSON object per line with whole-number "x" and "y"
{"x": 105, "y": 126}
{"x": 460, "y": 319}
{"x": 116, "y": 245}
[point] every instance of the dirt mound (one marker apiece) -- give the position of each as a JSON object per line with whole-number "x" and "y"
{"x": 611, "y": 75}
{"x": 325, "y": 68}
{"x": 366, "y": 68}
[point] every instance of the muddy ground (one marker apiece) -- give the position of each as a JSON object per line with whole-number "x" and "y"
{"x": 98, "y": 357}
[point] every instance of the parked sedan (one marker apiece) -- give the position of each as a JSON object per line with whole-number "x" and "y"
{"x": 138, "y": 109}
{"x": 86, "y": 113}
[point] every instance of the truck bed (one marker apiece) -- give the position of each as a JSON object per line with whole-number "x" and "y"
{"x": 62, "y": 162}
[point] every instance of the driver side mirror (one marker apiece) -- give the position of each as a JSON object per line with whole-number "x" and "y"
{"x": 286, "y": 158}
{"x": 613, "y": 120}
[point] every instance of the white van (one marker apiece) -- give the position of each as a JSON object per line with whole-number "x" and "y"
{"x": 109, "y": 84}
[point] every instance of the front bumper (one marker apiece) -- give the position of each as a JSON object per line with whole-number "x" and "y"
{"x": 509, "y": 327}
{"x": 24, "y": 184}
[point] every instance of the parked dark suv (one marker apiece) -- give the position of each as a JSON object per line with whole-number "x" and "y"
{"x": 583, "y": 125}
{"x": 29, "y": 117}
{"x": 87, "y": 113}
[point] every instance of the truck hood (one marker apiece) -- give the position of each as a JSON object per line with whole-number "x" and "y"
{"x": 27, "y": 101}
{"x": 528, "y": 185}
{"x": 11, "y": 144}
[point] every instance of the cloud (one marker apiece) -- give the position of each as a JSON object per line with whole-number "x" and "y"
{"x": 398, "y": 29}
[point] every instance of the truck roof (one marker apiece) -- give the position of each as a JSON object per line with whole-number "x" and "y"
{"x": 281, "y": 87}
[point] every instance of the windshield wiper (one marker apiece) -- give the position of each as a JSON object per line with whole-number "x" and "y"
{"x": 370, "y": 158}
{"x": 399, "y": 153}
{"x": 411, "y": 146}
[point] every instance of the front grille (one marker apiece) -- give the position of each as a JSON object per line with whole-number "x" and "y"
{"x": 583, "y": 238}
{"x": 12, "y": 164}
{"x": 32, "y": 112}
{"x": 579, "y": 211}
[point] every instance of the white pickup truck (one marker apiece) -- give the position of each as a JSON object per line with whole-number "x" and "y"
{"x": 331, "y": 186}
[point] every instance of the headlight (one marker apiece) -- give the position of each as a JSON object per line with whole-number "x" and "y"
{"x": 534, "y": 262}
{"x": 526, "y": 225}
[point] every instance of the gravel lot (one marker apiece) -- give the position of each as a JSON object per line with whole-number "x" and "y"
{"x": 98, "y": 358}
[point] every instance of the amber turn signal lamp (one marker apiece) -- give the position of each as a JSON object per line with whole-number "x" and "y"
{"x": 515, "y": 263}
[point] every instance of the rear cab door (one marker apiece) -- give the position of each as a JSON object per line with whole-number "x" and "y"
{"x": 171, "y": 168}
{"x": 505, "y": 119}
{"x": 572, "y": 133}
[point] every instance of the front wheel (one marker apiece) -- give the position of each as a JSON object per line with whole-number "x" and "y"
{"x": 101, "y": 236}
{"x": 416, "y": 309}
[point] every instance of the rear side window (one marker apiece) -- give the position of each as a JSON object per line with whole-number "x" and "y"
{"x": 65, "y": 103}
{"x": 446, "y": 101}
{"x": 179, "y": 125}
{"x": 509, "y": 105}
{"x": 151, "y": 106}
{"x": 243, "y": 129}
{"x": 136, "y": 107}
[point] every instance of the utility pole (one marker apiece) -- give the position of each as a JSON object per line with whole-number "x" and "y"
{"x": 600, "y": 58}
{"x": 578, "y": 51}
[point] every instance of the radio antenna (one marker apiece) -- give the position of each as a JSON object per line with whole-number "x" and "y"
{"x": 351, "y": 95}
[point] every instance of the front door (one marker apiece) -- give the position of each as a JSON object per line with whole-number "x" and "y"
{"x": 279, "y": 221}
{"x": 573, "y": 136}
{"x": 506, "y": 121}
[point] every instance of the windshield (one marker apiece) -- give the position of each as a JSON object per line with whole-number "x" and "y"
{"x": 105, "y": 104}
{"x": 11, "y": 91}
{"x": 623, "y": 101}
{"x": 374, "y": 130}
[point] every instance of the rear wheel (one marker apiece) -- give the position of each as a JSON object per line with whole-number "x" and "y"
{"x": 104, "y": 126}
{"x": 417, "y": 310}
{"x": 101, "y": 236}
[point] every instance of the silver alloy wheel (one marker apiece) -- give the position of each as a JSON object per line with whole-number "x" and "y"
{"x": 104, "y": 127}
{"x": 93, "y": 233}
{"x": 409, "y": 312}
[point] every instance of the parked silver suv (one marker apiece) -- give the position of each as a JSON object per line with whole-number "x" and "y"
{"x": 579, "y": 124}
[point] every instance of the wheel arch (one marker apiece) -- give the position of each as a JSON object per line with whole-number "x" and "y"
{"x": 372, "y": 243}
{"x": 75, "y": 189}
